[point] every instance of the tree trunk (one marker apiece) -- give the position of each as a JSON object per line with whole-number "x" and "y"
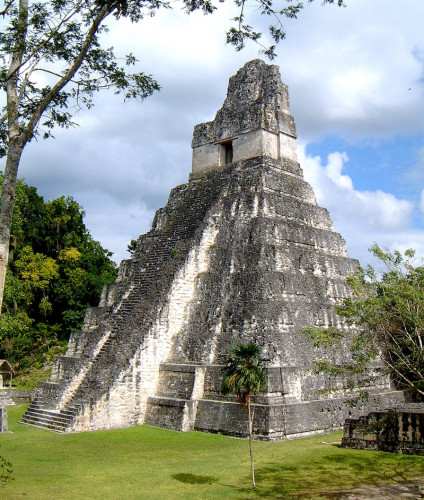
{"x": 250, "y": 445}
{"x": 6, "y": 209}
{"x": 15, "y": 142}
{"x": 18, "y": 137}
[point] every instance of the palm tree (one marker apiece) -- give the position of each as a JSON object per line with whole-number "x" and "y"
{"x": 245, "y": 376}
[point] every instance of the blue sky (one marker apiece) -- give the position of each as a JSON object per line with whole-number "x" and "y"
{"x": 386, "y": 164}
{"x": 355, "y": 78}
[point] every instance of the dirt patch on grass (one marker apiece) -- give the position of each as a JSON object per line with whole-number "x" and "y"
{"x": 411, "y": 489}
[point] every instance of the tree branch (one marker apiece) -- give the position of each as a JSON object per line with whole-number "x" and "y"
{"x": 12, "y": 81}
{"x": 55, "y": 74}
{"x": 6, "y": 8}
{"x": 405, "y": 379}
{"x": 104, "y": 12}
{"x": 44, "y": 42}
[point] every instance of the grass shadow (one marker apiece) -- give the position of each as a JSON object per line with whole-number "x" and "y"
{"x": 194, "y": 478}
{"x": 322, "y": 478}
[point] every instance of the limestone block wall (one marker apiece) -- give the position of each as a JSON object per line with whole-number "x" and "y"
{"x": 206, "y": 158}
{"x": 277, "y": 415}
{"x": 245, "y": 145}
{"x": 277, "y": 265}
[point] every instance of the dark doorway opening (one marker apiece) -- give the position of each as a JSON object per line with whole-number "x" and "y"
{"x": 228, "y": 152}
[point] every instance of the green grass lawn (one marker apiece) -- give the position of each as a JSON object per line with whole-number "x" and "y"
{"x": 144, "y": 462}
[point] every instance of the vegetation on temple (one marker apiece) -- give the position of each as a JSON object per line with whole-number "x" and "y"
{"x": 56, "y": 270}
{"x": 387, "y": 312}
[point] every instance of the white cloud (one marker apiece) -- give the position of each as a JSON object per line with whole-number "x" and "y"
{"x": 117, "y": 224}
{"x": 375, "y": 209}
{"x": 362, "y": 217}
{"x": 355, "y": 72}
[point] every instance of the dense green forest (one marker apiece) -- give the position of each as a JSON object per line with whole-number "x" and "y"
{"x": 55, "y": 271}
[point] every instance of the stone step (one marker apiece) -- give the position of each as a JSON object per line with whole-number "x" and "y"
{"x": 67, "y": 411}
{"x": 43, "y": 425}
{"x": 48, "y": 415}
{"x": 38, "y": 420}
{"x": 56, "y": 420}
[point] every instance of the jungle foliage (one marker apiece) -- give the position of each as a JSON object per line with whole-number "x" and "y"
{"x": 55, "y": 271}
{"x": 386, "y": 313}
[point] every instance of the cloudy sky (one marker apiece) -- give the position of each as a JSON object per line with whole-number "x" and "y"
{"x": 355, "y": 77}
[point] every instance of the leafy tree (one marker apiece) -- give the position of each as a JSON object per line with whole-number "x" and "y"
{"x": 49, "y": 283}
{"x": 386, "y": 316}
{"x": 59, "y": 40}
{"x": 16, "y": 337}
{"x": 63, "y": 225}
{"x": 245, "y": 376}
{"x": 35, "y": 273}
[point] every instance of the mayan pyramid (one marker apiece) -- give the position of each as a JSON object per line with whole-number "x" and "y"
{"x": 242, "y": 252}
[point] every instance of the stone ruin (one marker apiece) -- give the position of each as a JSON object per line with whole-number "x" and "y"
{"x": 242, "y": 252}
{"x": 6, "y": 374}
{"x": 398, "y": 430}
{"x": 5, "y": 401}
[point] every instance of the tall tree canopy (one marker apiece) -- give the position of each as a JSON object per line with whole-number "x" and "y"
{"x": 52, "y": 62}
{"x": 56, "y": 270}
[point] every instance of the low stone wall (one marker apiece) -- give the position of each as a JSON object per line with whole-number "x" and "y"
{"x": 230, "y": 418}
{"x": 18, "y": 396}
{"x": 398, "y": 430}
{"x": 170, "y": 418}
{"x": 22, "y": 395}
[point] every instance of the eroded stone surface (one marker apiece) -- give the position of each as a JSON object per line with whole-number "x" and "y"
{"x": 240, "y": 253}
{"x": 254, "y": 121}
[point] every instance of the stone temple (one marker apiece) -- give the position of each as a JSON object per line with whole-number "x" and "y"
{"x": 242, "y": 252}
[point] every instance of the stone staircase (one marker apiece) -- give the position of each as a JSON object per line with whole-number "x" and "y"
{"x": 142, "y": 283}
{"x": 54, "y": 420}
